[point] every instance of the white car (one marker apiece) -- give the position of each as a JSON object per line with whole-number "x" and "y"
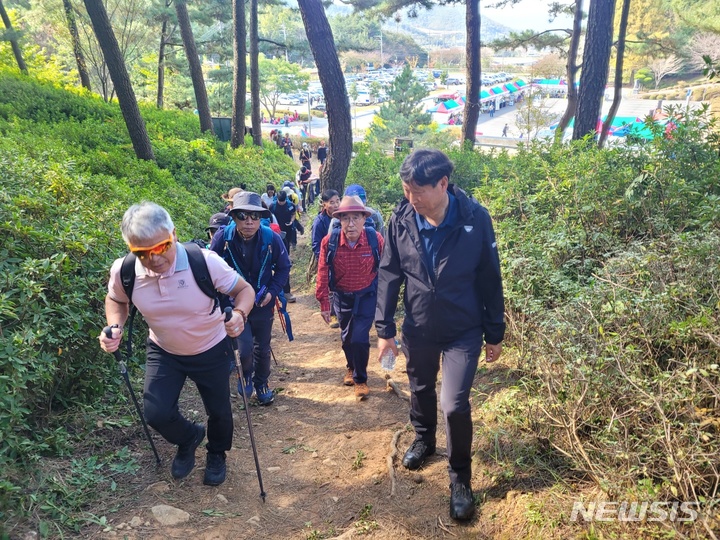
{"x": 288, "y": 100}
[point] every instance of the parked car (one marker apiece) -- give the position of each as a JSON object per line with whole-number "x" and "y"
{"x": 319, "y": 107}
{"x": 454, "y": 80}
{"x": 288, "y": 100}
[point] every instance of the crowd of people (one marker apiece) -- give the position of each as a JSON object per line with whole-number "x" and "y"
{"x": 438, "y": 246}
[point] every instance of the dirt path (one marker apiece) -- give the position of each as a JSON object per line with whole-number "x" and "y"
{"x": 323, "y": 456}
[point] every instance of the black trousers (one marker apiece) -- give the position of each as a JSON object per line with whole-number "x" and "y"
{"x": 459, "y": 364}
{"x": 255, "y": 345}
{"x": 165, "y": 377}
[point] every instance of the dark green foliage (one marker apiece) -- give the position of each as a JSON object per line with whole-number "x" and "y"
{"x": 67, "y": 174}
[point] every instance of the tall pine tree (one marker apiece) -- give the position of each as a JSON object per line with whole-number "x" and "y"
{"x": 402, "y": 115}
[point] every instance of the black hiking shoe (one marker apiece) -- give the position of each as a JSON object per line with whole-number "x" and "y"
{"x": 462, "y": 502}
{"x": 215, "y": 469}
{"x": 417, "y": 453}
{"x": 184, "y": 460}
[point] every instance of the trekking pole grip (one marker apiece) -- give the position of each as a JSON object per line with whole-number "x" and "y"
{"x": 228, "y": 315}
{"x": 118, "y": 356}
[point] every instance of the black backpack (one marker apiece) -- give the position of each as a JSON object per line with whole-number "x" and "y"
{"x": 200, "y": 272}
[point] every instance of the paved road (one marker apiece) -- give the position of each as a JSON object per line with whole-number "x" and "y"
{"x": 493, "y": 127}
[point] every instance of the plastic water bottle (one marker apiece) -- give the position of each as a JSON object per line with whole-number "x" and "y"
{"x": 387, "y": 360}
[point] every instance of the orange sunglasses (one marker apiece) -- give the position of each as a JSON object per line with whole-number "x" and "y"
{"x": 157, "y": 249}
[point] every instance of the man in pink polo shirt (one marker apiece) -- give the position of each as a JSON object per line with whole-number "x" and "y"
{"x": 187, "y": 338}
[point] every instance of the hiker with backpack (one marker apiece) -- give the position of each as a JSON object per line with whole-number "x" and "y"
{"x": 375, "y": 216}
{"x": 374, "y": 220}
{"x": 347, "y": 266}
{"x": 306, "y": 156}
{"x": 284, "y": 213}
{"x": 303, "y": 181}
{"x": 187, "y": 335}
{"x": 216, "y": 221}
{"x": 270, "y": 195}
{"x": 320, "y": 228}
{"x": 259, "y": 255}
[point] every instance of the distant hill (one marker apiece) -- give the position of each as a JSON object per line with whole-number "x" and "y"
{"x": 444, "y": 27}
{"x": 439, "y": 28}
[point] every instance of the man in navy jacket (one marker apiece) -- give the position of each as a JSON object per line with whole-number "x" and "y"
{"x": 267, "y": 269}
{"x": 441, "y": 244}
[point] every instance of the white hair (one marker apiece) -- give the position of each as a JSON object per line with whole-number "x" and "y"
{"x": 143, "y": 221}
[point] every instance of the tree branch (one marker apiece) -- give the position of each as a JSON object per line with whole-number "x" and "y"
{"x": 277, "y": 44}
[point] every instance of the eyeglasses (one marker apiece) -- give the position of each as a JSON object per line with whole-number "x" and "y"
{"x": 242, "y": 216}
{"x": 158, "y": 249}
{"x": 354, "y": 219}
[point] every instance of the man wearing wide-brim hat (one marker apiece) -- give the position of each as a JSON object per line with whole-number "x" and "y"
{"x": 348, "y": 265}
{"x": 259, "y": 255}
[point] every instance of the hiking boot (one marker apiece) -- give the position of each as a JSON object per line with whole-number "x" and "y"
{"x": 264, "y": 395}
{"x": 290, "y": 297}
{"x": 334, "y": 322}
{"x": 348, "y": 378}
{"x": 416, "y": 454}
{"x": 184, "y": 460}
{"x": 462, "y": 502}
{"x": 215, "y": 469}
{"x": 361, "y": 391}
{"x": 248, "y": 384}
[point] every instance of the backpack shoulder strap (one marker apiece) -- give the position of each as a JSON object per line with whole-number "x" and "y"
{"x": 373, "y": 242}
{"x": 333, "y": 243}
{"x": 200, "y": 272}
{"x": 266, "y": 237}
{"x": 127, "y": 278}
{"x": 127, "y": 274}
{"x": 266, "y": 251}
{"x": 228, "y": 232}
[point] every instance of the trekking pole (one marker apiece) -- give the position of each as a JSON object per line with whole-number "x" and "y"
{"x": 123, "y": 371}
{"x": 241, "y": 381}
{"x": 273, "y": 356}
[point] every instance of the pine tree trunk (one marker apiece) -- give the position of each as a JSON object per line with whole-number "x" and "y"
{"x": 161, "y": 67}
{"x": 237, "y": 133}
{"x": 572, "y": 69}
{"x": 617, "y": 96}
{"x": 595, "y": 65}
{"x": 77, "y": 49}
{"x": 13, "y": 42}
{"x": 472, "y": 58}
{"x": 255, "y": 74}
{"x": 120, "y": 78}
{"x": 331, "y": 77}
{"x": 196, "y": 74}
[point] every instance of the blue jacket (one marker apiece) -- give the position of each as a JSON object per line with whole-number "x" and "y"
{"x": 320, "y": 228}
{"x": 274, "y": 274}
{"x": 462, "y": 294}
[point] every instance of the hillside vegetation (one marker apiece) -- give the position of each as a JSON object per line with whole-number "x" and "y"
{"x": 611, "y": 262}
